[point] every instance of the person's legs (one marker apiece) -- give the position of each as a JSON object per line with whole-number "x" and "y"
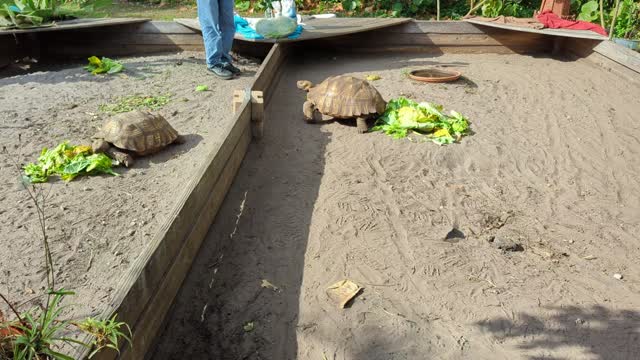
{"x": 227, "y": 27}
{"x": 209, "y": 17}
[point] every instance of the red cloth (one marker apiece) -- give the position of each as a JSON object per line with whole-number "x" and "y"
{"x": 553, "y": 21}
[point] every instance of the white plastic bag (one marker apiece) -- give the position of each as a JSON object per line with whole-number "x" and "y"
{"x": 288, "y": 9}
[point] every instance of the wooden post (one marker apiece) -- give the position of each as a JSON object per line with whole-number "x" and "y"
{"x": 257, "y": 114}
{"x": 438, "y": 10}
{"x": 558, "y": 44}
{"x": 238, "y": 98}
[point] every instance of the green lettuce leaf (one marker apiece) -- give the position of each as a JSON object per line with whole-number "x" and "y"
{"x": 103, "y": 66}
{"x": 68, "y": 162}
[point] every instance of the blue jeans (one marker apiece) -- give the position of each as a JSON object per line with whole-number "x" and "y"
{"x": 216, "y": 21}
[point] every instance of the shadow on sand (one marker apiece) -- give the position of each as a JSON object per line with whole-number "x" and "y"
{"x": 224, "y": 309}
{"x": 597, "y": 332}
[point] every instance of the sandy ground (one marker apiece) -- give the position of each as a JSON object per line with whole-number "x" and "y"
{"x": 98, "y": 226}
{"x": 553, "y": 166}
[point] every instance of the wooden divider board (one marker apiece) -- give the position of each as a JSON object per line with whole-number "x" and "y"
{"x": 438, "y": 37}
{"x": 146, "y": 293}
{"x": 619, "y": 54}
{"x": 127, "y": 39}
{"x": 580, "y": 34}
{"x": 321, "y": 28}
{"x": 76, "y": 24}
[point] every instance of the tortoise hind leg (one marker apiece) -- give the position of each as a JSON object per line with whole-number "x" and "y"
{"x": 361, "y": 124}
{"x": 120, "y": 156}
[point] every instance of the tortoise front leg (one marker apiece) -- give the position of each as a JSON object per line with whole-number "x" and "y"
{"x": 361, "y": 124}
{"x": 311, "y": 114}
{"x": 120, "y": 156}
{"x": 308, "y": 109}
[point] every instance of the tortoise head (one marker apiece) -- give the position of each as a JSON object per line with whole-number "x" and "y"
{"x": 304, "y": 85}
{"x": 99, "y": 145}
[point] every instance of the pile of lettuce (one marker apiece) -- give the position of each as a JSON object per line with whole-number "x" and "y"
{"x": 403, "y": 116}
{"x": 105, "y": 65}
{"x": 68, "y": 161}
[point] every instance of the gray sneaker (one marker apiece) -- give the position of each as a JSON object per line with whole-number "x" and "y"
{"x": 229, "y": 66}
{"x": 220, "y": 71}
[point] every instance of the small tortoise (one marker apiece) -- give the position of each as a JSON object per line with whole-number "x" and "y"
{"x": 136, "y": 132}
{"x": 342, "y": 97}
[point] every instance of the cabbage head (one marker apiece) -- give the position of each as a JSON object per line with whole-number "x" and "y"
{"x": 275, "y": 28}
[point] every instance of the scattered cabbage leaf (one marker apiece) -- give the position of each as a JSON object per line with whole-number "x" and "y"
{"x": 68, "y": 162}
{"x": 403, "y": 115}
{"x": 105, "y": 65}
{"x": 202, "y": 88}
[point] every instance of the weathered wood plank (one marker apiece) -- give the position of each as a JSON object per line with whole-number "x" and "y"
{"x": 53, "y": 50}
{"x": 268, "y": 75}
{"x": 504, "y": 42}
{"x": 108, "y": 39}
{"x": 436, "y": 27}
{"x": 582, "y": 34}
{"x": 453, "y": 39}
{"x": 619, "y": 54}
{"x": 148, "y": 327}
{"x": 586, "y": 49}
{"x": 146, "y": 292}
{"x": 257, "y": 114}
{"x": 499, "y": 49}
{"x": 320, "y": 28}
{"x": 77, "y": 24}
{"x": 163, "y": 27}
{"x": 9, "y": 50}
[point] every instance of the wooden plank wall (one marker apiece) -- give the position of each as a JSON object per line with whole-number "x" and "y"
{"x": 135, "y": 39}
{"x": 440, "y": 37}
{"x": 607, "y": 55}
{"x": 9, "y": 50}
{"x": 268, "y": 75}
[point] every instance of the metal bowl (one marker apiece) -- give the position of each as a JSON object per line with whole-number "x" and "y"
{"x": 434, "y": 75}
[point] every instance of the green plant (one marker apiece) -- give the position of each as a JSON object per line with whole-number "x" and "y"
{"x": 39, "y": 332}
{"x": 103, "y": 66}
{"x": 351, "y": 5}
{"x": 589, "y": 11}
{"x": 492, "y": 8}
{"x": 627, "y": 25}
{"x": 106, "y": 333}
{"x": 243, "y": 5}
{"x": 136, "y": 102}
{"x": 36, "y": 13}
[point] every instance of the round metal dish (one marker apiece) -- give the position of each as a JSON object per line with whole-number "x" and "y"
{"x": 434, "y": 75}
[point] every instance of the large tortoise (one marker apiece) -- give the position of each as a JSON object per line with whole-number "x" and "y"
{"x": 342, "y": 97}
{"x": 136, "y": 132}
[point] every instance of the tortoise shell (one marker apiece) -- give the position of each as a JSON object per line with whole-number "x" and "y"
{"x": 346, "y": 97}
{"x": 138, "y": 131}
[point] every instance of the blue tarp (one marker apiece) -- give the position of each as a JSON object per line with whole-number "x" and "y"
{"x": 243, "y": 28}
